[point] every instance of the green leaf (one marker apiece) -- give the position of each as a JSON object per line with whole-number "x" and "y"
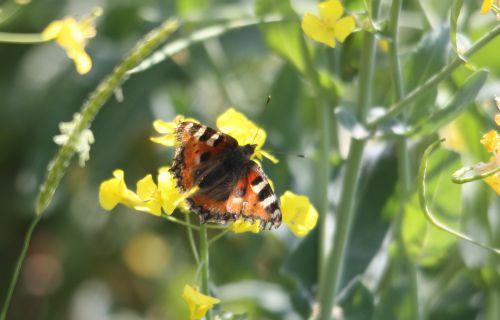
{"x": 429, "y": 58}
{"x": 356, "y": 301}
{"x": 284, "y": 38}
{"x": 348, "y": 121}
{"x": 463, "y": 98}
{"x": 455, "y": 13}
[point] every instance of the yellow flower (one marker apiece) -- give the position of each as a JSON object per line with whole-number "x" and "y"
{"x": 497, "y": 119}
{"x": 171, "y": 197}
{"x": 197, "y": 302}
{"x": 114, "y": 191}
{"x": 149, "y": 198}
{"x": 487, "y": 4}
{"x": 241, "y": 226}
{"x": 236, "y": 125}
{"x": 167, "y": 129}
{"x": 329, "y": 25}
{"x": 491, "y": 141}
{"x": 298, "y": 213}
{"x": 72, "y": 36}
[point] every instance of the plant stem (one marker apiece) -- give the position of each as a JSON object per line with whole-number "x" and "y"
{"x": 19, "y": 264}
{"x": 404, "y": 163}
{"x": 93, "y": 105}
{"x": 434, "y": 80}
{"x": 217, "y": 237}
{"x": 205, "y": 264}
{"x": 192, "y": 244}
{"x": 330, "y": 278}
{"x": 21, "y": 38}
{"x": 186, "y": 223}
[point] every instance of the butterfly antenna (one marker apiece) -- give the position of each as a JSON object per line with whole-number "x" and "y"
{"x": 258, "y": 129}
{"x": 286, "y": 154}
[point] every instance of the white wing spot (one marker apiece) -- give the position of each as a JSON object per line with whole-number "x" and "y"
{"x": 259, "y": 187}
{"x": 268, "y": 201}
{"x": 200, "y": 132}
{"x": 212, "y": 139}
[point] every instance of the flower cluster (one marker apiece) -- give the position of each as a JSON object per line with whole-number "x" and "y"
{"x": 490, "y": 5}
{"x": 330, "y": 25}
{"x": 297, "y": 212}
{"x": 491, "y": 142}
{"x": 72, "y": 36}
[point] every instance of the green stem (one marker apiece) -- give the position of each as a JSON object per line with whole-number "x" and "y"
{"x": 93, "y": 105}
{"x": 191, "y": 240}
{"x": 330, "y": 278}
{"x": 205, "y": 264}
{"x": 21, "y": 38}
{"x": 217, "y": 237}
{"x": 19, "y": 264}
{"x": 404, "y": 163}
{"x": 182, "y": 223}
{"x": 434, "y": 80}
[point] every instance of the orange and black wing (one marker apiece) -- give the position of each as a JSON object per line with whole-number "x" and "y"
{"x": 251, "y": 198}
{"x": 199, "y": 150}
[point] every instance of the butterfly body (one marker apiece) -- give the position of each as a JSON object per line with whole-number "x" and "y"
{"x": 231, "y": 186}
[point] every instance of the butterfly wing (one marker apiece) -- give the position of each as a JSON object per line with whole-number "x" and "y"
{"x": 200, "y": 149}
{"x": 251, "y": 198}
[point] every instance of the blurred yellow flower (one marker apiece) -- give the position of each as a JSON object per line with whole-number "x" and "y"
{"x": 114, "y": 191}
{"x": 150, "y": 197}
{"x": 490, "y": 140}
{"x": 236, "y": 125}
{"x": 329, "y": 25}
{"x": 241, "y": 226}
{"x": 488, "y": 4}
{"x": 72, "y": 36}
{"x": 167, "y": 129}
{"x": 298, "y": 213}
{"x": 494, "y": 182}
{"x": 197, "y": 302}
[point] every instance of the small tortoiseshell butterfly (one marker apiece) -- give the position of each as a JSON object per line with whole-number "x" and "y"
{"x": 231, "y": 186}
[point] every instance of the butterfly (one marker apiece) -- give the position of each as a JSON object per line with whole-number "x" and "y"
{"x": 230, "y": 186}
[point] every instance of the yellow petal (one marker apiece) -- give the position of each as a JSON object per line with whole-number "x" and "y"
{"x": 168, "y": 128}
{"x": 330, "y": 11}
{"x": 52, "y": 30}
{"x": 316, "y": 30}
{"x": 262, "y": 153}
{"x": 171, "y": 197}
{"x": 114, "y": 191}
{"x": 197, "y": 302}
{"x": 344, "y": 27}
{"x": 298, "y": 213}
{"x": 490, "y": 140}
{"x": 146, "y": 188}
{"x": 235, "y": 124}
{"x": 241, "y": 226}
{"x": 486, "y": 6}
{"x": 494, "y": 182}
{"x": 497, "y": 119}
{"x": 82, "y": 62}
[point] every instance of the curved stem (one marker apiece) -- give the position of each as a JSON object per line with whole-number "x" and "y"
{"x": 186, "y": 223}
{"x": 92, "y": 106}
{"x": 433, "y": 81}
{"x": 21, "y": 38}
{"x": 422, "y": 172}
{"x": 19, "y": 264}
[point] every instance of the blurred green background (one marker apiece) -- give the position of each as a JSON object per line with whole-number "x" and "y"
{"x": 86, "y": 263}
